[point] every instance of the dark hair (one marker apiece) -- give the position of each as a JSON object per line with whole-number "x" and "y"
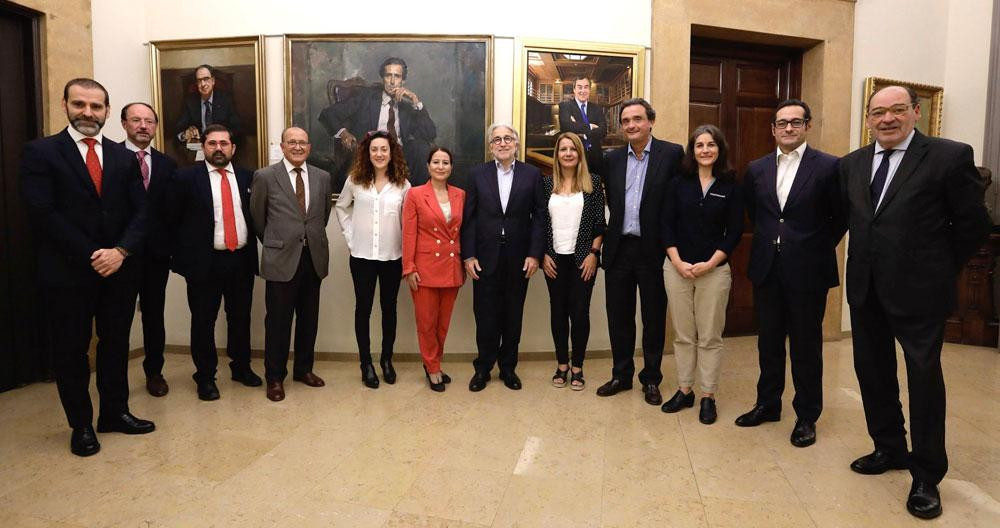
{"x": 721, "y": 169}
{"x": 914, "y": 98}
{"x": 89, "y": 84}
{"x": 362, "y": 170}
{"x": 211, "y": 70}
{"x": 650, "y": 113}
{"x": 582, "y": 78}
{"x": 793, "y": 102}
{"x": 216, "y": 128}
{"x": 392, "y": 60}
{"x": 126, "y": 107}
{"x": 435, "y": 149}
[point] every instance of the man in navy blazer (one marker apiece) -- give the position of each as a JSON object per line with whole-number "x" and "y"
{"x": 85, "y": 198}
{"x": 586, "y": 120}
{"x": 793, "y": 200}
{"x": 139, "y": 121}
{"x": 215, "y": 250}
{"x": 634, "y": 248}
{"x": 503, "y": 241}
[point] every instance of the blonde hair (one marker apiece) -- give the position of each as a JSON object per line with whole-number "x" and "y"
{"x": 581, "y": 180}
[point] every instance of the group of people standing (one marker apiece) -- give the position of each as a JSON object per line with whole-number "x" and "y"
{"x": 113, "y": 218}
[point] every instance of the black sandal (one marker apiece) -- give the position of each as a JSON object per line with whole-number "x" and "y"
{"x": 575, "y": 377}
{"x": 559, "y": 378}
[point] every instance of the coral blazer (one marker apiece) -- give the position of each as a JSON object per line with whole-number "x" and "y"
{"x": 432, "y": 246}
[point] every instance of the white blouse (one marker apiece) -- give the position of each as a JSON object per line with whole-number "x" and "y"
{"x": 565, "y": 212}
{"x": 446, "y": 209}
{"x": 372, "y": 221}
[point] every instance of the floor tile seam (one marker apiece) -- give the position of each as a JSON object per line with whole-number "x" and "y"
{"x": 694, "y": 474}
{"x": 799, "y": 500}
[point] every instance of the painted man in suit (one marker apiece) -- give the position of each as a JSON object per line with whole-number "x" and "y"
{"x": 216, "y": 252}
{"x": 207, "y": 107}
{"x": 634, "y": 248}
{"x": 290, "y": 206}
{"x": 85, "y": 198}
{"x": 793, "y": 200}
{"x": 915, "y": 213}
{"x": 395, "y": 109}
{"x": 503, "y": 240}
{"x": 586, "y": 120}
{"x": 139, "y": 121}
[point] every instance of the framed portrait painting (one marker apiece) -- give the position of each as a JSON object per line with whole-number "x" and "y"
{"x": 429, "y": 90}
{"x": 931, "y": 103}
{"x": 197, "y": 83}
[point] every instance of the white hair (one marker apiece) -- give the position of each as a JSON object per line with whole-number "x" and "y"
{"x": 494, "y": 126}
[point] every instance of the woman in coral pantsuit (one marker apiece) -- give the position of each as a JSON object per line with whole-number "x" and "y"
{"x": 432, "y": 262}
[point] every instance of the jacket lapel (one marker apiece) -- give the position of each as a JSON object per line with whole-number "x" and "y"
{"x": 70, "y": 152}
{"x": 492, "y": 183}
{"x": 770, "y": 181}
{"x": 315, "y": 197}
{"x": 863, "y": 168}
{"x": 430, "y": 198}
{"x": 285, "y": 182}
{"x": 911, "y": 159}
{"x": 802, "y": 176}
{"x": 457, "y": 200}
{"x": 652, "y": 168}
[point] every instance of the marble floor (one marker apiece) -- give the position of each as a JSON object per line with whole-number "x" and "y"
{"x": 404, "y": 456}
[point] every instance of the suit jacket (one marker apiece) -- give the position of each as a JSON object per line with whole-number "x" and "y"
{"x": 810, "y": 226}
{"x": 664, "y": 162}
{"x": 281, "y": 226}
{"x": 223, "y": 113}
{"x": 931, "y": 220}
{"x": 485, "y": 218}
{"x": 71, "y": 220}
{"x": 592, "y": 223}
{"x": 431, "y": 245}
{"x": 193, "y": 218}
{"x": 571, "y": 120}
{"x": 158, "y": 229}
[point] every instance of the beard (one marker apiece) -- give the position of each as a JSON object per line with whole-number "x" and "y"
{"x": 87, "y": 127}
{"x": 218, "y": 159}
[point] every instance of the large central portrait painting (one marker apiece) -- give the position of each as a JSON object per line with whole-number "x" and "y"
{"x": 423, "y": 90}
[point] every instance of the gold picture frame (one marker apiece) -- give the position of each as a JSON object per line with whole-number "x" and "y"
{"x": 931, "y": 105}
{"x": 238, "y": 64}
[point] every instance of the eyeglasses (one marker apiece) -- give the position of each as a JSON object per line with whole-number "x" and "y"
{"x": 506, "y": 140}
{"x": 897, "y": 110}
{"x": 297, "y": 143}
{"x": 796, "y": 123}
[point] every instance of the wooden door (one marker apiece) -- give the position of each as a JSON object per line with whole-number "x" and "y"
{"x": 736, "y": 86}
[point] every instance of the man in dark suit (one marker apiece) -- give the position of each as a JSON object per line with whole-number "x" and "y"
{"x": 793, "y": 200}
{"x": 290, "y": 206}
{"x": 216, "y": 252}
{"x": 915, "y": 213}
{"x": 502, "y": 243}
{"x": 395, "y": 109}
{"x": 586, "y": 120}
{"x": 139, "y": 121}
{"x": 85, "y": 197}
{"x": 634, "y": 248}
{"x": 207, "y": 107}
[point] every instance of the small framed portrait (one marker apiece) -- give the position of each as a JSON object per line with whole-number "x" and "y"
{"x": 567, "y": 86}
{"x": 931, "y": 102}
{"x": 203, "y": 82}
{"x": 425, "y": 90}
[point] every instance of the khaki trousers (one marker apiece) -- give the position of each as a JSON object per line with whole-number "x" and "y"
{"x": 698, "y": 310}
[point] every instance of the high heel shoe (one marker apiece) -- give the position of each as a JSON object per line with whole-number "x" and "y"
{"x": 388, "y": 372}
{"x": 368, "y": 376}
{"x": 436, "y": 387}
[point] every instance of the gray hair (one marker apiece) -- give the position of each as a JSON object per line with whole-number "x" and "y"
{"x": 494, "y": 126}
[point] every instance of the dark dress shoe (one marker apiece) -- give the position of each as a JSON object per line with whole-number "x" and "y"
{"x": 275, "y": 391}
{"x": 613, "y": 387}
{"x": 879, "y": 462}
{"x": 368, "y": 376}
{"x": 479, "y": 381}
{"x": 511, "y": 381}
{"x": 758, "y": 415}
{"x": 707, "y": 414}
{"x": 310, "y": 379}
{"x": 247, "y": 377}
{"x": 208, "y": 391}
{"x": 157, "y": 385}
{"x": 126, "y": 423}
{"x": 804, "y": 434}
{"x": 652, "y": 394}
{"x": 678, "y": 401}
{"x": 445, "y": 378}
{"x": 924, "y": 500}
{"x": 83, "y": 442}
{"x": 388, "y": 372}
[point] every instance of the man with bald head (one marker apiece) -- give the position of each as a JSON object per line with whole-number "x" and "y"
{"x": 290, "y": 205}
{"x": 915, "y": 213}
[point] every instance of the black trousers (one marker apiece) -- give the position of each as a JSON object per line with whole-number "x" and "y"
{"x": 629, "y": 271}
{"x": 231, "y": 278}
{"x": 498, "y": 304}
{"x": 365, "y": 273}
{"x": 569, "y": 307}
{"x": 298, "y": 298}
{"x": 73, "y": 311}
{"x": 152, "y": 299}
{"x": 921, "y": 338}
{"x": 797, "y": 315}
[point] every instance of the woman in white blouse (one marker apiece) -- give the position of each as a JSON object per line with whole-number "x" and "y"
{"x": 369, "y": 210}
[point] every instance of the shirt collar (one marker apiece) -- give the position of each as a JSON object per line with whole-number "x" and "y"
{"x": 210, "y": 98}
{"x": 212, "y": 168}
{"x": 579, "y": 102}
{"x": 79, "y": 136}
{"x": 645, "y": 150}
{"x": 900, "y": 147}
{"x": 289, "y": 167}
{"x": 386, "y": 98}
{"x": 801, "y": 150}
{"x": 134, "y": 148}
{"x": 500, "y": 165}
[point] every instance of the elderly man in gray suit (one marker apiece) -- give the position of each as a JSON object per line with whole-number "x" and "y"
{"x": 290, "y": 206}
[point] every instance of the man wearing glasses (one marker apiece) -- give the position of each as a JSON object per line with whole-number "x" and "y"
{"x": 290, "y": 206}
{"x": 207, "y": 107}
{"x": 793, "y": 200}
{"x": 915, "y": 213}
{"x": 502, "y": 244}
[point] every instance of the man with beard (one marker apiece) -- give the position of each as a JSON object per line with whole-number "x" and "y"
{"x": 139, "y": 121}
{"x": 85, "y": 197}
{"x": 216, "y": 253}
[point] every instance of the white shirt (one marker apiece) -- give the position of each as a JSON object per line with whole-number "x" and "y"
{"x": 372, "y": 221}
{"x": 215, "y": 179}
{"x": 894, "y": 160}
{"x": 788, "y": 166}
{"x": 147, "y": 159}
{"x": 446, "y": 209}
{"x": 383, "y": 116}
{"x": 291, "y": 177}
{"x": 505, "y": 179}
{"x": 565, "y": 212}
{"x": 78, "y": 138}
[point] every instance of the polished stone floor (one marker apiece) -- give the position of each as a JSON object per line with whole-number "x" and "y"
{"x": 402, "y": 455}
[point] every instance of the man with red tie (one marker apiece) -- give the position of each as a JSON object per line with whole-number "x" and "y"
{"x": 85, "y": 198}
{"x": 214, "y": 250}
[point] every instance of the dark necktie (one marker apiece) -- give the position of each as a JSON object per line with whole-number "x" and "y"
{"x": 300, "y": 189}
{"x": 881, "y": 173}
{"x": 141, "y": 154}
{"x": 586, "y": 123}
{"x": 208, "y": 113}
{"x": 94, "y": 164}
{"x": 391, "y": 122}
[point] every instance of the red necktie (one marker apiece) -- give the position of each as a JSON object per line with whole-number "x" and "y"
{"x": 93, "y": 164}
{"x": 143, "y": 167}
{"x": 228, "y": 216}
